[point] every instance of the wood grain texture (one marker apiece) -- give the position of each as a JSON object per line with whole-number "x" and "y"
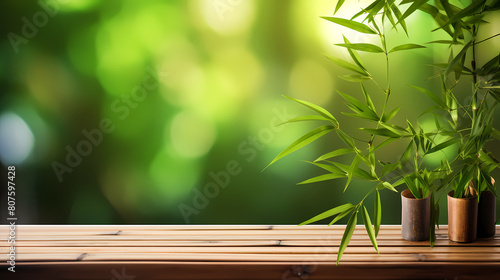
{"x": 239, "y": 252}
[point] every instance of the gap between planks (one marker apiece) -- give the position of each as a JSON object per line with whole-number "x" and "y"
{"x": 249, "y": 250}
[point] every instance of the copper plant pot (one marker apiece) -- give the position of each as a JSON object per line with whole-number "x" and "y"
{"x": 486, "y": 214}
{"x": 415, "y": 217}
{"x": 462, "y": 218}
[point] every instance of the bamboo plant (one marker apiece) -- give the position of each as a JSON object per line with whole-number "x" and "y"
{"x": 365, "y": 163}
{"x": 470, "y": 122}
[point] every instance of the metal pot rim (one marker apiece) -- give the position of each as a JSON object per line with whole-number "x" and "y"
{"x": 450, "y": 195}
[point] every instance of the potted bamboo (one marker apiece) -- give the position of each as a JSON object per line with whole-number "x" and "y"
{"x": 470, "y": 121}
{"x": 364, "y": 153}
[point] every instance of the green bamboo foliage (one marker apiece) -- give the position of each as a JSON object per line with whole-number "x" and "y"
{"x": 478, "y": 162}
{"x": 470, "y": 123}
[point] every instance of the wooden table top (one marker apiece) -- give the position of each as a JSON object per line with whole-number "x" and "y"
{"x": 119, "y": 252}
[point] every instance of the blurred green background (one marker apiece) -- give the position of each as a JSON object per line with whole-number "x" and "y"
{"x": 165, "y": 112}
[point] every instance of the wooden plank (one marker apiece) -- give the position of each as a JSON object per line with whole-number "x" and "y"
{"x": 174, "y": 230}
{"x": 205, "y": 237}
{"x": 249, "y": 250}
{"x": 283, "y": 240}
{"x": 252, "y": 271}
{"x": 247, "y": 243}
{"x": 241, "y": 252}
{"x": 167, "y": 230}
{"x": 82, "y": 228}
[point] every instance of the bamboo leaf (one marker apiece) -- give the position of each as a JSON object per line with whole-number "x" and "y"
{"x": 463, "y": 183}
{"x": 352, "y": 169}
{"x": 432, "y": 108}
{"x": 410, "y": 183}
{"x": 358, "y": 172}
{"x": 339, "y": 4}
{"x": 368, "y": 100}
{"x": 335, "y": 153}
{"x": 443, "y": 145}
{"x": 303, "y": 141}
{"x": 360, "y": 115}
{"x": 407, "y": 153}
{"x": 354, "y": 25}
{"x": 374, "y": 9}
{"x": 495, "y": 133}
{"x": 454, "y": 63}
{"x": 431, "y": 10}
{"x": 346, "y": 138}
{"x": 384, "y": 143}
{"x": 398, "y": 182}
{"x": 389, "y": 167}
{"x": 445, "y": 5}
{"x": 358, "y": 14}
{"x": 467, "y": 11}
{"x": 358, "y": 107}
{"x": 382, "y": 132}
{"x": 340, "y": 216}
{"x": 321, "y": 178}
{"x": 391, "y": 114}
{"x": 378, "y": 212}
{"x": 388, "y": 14}
{"x": 396, "y": 129}
{"x": 410, "y": 126}
{"x": 490, "y": 67}
{"x": 447, "y": 42}
{"x": 460, "y": 68}
{"x": 362, "y": 174}
{"x": 389, "y": 186}
{"x": 354, "y": 78}
{"x": 306, "y": 118}
{"x": 369, "y": 227}
{"x": 328, "y": 213}
{"x": 321, "y": 111}
{"x": 349, "y": 230}
{"x": 398, "y": 15}
{"x": 347, "y": 65}
{"x": 412, "y": 8}
{"x": 431, "y": 95}
{"x": 354, "y": 55}
{"x": 441, "y": 21}
{"x": 372, "y": 5}
{"x": 362, "y": 47}
{"x": 329, "y": 168}
{"x": 406, "y": 47}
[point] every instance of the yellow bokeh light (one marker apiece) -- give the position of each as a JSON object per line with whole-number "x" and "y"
{"x": 185, "y": 84}
{"x": 310, "y": 80}
{"x": 191, "y": 134}
{"x": 48, "y": 80}
{"x": 226, "y": 17}
{"x": 242, "y": 67}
